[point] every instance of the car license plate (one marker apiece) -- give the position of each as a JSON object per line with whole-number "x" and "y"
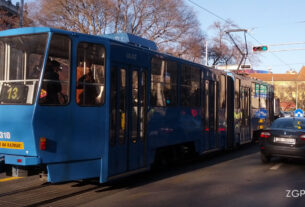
{"x": 284, "y": 140}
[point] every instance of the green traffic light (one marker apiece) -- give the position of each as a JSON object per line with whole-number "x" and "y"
{"x": 264, "y": 48}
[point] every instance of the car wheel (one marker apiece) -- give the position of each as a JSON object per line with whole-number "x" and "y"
{"x": 265, "y": 158}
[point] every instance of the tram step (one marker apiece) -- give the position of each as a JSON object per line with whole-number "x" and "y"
{"x": 19, "y": 171}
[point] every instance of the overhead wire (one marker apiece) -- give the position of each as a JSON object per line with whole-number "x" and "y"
{"x": 279, "y": 24}
{"x": 234, "y": 25}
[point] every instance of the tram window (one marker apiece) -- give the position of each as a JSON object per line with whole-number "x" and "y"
{"x": 135, "y": 108}
{"x": 163, "y": 83}
{"x": 113, "y": 101}
{"x": 123, "y": 109}
{"x": 202, "y": 89}
{"x": 17, "y": 61}
{"x": 255, "y": 96}
{"x": 35, "y": 63}
{"x": 2, "y": 56}
{"x": 206, "y": 106}
{"x": 17, "y": 56}
{"x": 245, "y": 107}
{"x": 90, "y": 78}
{"x": 190, "y": 86}
{"x": 142, "y": 106}
{"x": 135, "y": 88}
{"x": 222, "y": 98}
{"x": 237, "y": 93}
{"x": 263, "y": 96}
{"x": 55, "y": 88}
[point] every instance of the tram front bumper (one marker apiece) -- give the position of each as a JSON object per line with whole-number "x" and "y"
{"x": 21, "y": 160}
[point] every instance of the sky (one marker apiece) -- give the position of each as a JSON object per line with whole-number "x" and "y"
{"x": 269, "y": 22}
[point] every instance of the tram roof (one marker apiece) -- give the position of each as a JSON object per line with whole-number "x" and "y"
{"x": 35, "y": 30}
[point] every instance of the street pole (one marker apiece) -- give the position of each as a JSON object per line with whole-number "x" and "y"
{"x": 296, "y": 96}
{"x": 21, "y": 12}
{"x": 206, "y": 53}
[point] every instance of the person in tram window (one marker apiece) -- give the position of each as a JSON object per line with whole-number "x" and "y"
{"x": 53, "y": 86}
{"x": 87, "y": 91}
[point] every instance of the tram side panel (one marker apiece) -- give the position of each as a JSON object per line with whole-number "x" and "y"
{"x": 174, "y": 114}
{"x": 207, "y": 126}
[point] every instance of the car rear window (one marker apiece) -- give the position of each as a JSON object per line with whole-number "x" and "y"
{"x": 288, "y": 124}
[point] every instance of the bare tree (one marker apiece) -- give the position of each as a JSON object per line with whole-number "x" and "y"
{"x": 170, "y": 23}
{"x": 222, "y": 50}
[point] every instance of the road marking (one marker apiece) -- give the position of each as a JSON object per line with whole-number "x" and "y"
{"x": 9, "y": 179}
{"x": 275, "y": 167}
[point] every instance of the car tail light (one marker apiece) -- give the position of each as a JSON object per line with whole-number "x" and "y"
{"x": 43, "y": 143}
{"x": 265, "y": 134}
{"x": 302, "y": 137}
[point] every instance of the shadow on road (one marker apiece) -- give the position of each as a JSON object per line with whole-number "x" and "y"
{"x": 182, "y": 167}
{"x": 250, "y": 187}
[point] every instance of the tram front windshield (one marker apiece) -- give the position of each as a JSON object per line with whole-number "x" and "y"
{"x": 21, "y": 60}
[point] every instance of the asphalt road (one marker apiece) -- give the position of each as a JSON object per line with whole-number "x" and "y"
{"x": 235, "y": 178}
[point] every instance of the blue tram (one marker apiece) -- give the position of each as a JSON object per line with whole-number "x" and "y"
{"x": 82, "y": 106}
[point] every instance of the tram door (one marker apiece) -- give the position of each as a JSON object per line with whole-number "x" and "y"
{"x": 237, "y": 112}
{"x": 230, "y": 112}
{"x": 245, "y": 119}
{"x": 128, "y": 116}
{"x": 210, "y": 114}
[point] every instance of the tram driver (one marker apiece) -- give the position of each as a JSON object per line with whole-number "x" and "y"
{"x": 53, "y": 87}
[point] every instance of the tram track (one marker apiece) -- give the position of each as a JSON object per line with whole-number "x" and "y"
{"x": 23, "y": 190}
{"x": 63, "y": 194}
{"x": 47, "y": 194}
{"x": 31, "y": 192}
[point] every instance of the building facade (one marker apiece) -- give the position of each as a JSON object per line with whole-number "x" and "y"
{"x": 288, "y": 87}
{"x": 8, "y": 6}
{"x": 9, "y": 14}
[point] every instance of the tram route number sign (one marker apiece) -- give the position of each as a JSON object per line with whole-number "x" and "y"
{"x": 14, "y": 93}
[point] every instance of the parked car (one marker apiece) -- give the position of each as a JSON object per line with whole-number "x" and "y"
{"x": 284, "y": 138}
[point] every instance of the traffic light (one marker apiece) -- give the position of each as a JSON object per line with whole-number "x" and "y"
{"x": 262, "y": 48}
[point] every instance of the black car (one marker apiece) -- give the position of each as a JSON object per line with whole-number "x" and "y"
{"x": 284, "y": 138}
